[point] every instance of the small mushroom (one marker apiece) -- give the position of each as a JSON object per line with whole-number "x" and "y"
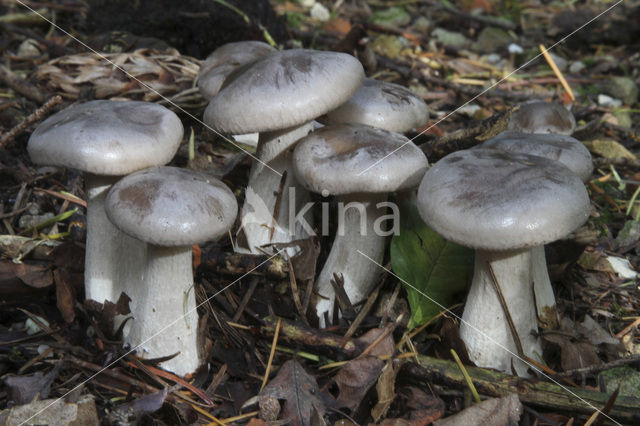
{"x": 331, "y": 161}
{"x": 106, "y": 140}
{"x": 384, "y": 105}
{"x": 224, "y": 60}
{"x": 502, "y": 204}
{"x": 170, "y": 209}
{"x": 542, "y": 117}
{"x": 278, "y": 96}
{"x": 573, "y": 154}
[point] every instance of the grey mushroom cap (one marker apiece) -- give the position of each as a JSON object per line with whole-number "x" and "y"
{"x": 282, "y": 90}
{"x": 542, "y": 117}
{"x": 334, "y": 158}
{"x": 496, "y": 200}
{"x": 562, "y": 148}
{"x": 169, "y": 206}
{"x": 224, "y": 60}
{"x": 107, "y": 137}
{"x": 385, "y": 105}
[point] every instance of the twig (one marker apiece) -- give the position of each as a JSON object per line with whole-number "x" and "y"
{"x": 507, "y": 314}
{"x": 488, "y": 20}
{"x": 557, "y": 72}
{"x": 294, "y": 293}
{"x": 271, "y": 354}
{"x": 21, "y": 86}
{"x": 600, "y": 367}
{"x": 467, "y": 378}
{"x": 37, "y": 115}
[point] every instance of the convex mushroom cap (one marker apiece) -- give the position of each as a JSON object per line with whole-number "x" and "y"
{"x": 224, "y": 60}
{"x": 284, "y": 89}
{"x": 107, "y": 137}
{"x": 354, "y": 158}
{"x": 385, "y": 105}
{"x": 495, "y": 200}
{"x": 562, "y": 148}
{"x": 168, "y": 206}
{"x": 542, "y": 117}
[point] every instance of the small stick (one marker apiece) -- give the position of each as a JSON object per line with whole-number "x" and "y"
{"x": 557, "y": 72}
{"x": 507, "y": 314}
{"x": 37, "y": 115}
{"x": 271, "y": 354}
{"x": 467, "y": 378}
{"x": 295, "y": 294}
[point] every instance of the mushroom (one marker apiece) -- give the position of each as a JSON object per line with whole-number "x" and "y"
{"x": 106, "y": 140}
{"x": 542, "y": 117}
{"x": 279, "y": 95}
{"x": 573, "y": 154}
{"x": 221, "y": 63}
{"x": 170, "y": 209}
{"x": 384, "y": 105}
{"x": 330, "y": 161}
{"x": 502, "y": 204}
{"x": 224, "y": 60}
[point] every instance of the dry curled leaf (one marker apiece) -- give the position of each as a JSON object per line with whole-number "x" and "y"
{"x": 299, "y": 391}
{"x": 505, "y": 411}
{"x": 355, "y": 379}
{"x": 166, "y": 72}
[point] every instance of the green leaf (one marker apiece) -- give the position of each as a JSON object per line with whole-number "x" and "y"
{"x": 430, "y": 264}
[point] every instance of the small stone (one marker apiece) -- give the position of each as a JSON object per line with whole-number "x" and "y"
{"x": 576, "y": 67}
{"x": 422, "y": 25}
{"x": 515, "y": 49}
{"x": 28, "y": 49}
{"x": 629, "y": 234}
{"x": 608, "y": 101}
{"x": 450, "y": 38}
{"x": 307, "y": 3}
{"x": 392, "y": 17}
{"x": 493, "y": 58}
{"x": 28, "y": 221}
{"x": 561, "y": 62}
{"x": 320, "y": 12}
{"x": 492, "y": 39}
{"x": 622, "y": 88}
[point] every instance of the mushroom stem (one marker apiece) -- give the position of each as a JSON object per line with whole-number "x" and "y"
{"x": 543, "y": 291}
{"x": 358, "y": 215}
{"x": 164, "y": 310}
{"x": 260, "y": 222}
{"x": 113, "y": 260}
{"x": 484, "y": 328}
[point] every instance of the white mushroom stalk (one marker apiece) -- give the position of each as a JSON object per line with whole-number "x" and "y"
{"x": 576, "y": 157}
{"x": 505, "y": 205}
{"x": 106, "y": 140}
{"x": 166, "y": 322}
{"x": 280, "y": 93}
{"x": 170, "y": 209}
{"x": 113, "y": 260}
{"x": 357, "y": 243}
{"x": 361, "y": 165}
{"x": 270, "y": 197}
{"x": 484, "y": 329}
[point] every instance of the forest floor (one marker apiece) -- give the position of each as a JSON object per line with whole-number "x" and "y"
{"x": 471, "y": 61}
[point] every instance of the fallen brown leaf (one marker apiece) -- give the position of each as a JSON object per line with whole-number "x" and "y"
{"x": 355, "y": 379}
{"x": 299, "y": 391}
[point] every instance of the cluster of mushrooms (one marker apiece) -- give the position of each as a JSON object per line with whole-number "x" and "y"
{"x": 506, "y": 198}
